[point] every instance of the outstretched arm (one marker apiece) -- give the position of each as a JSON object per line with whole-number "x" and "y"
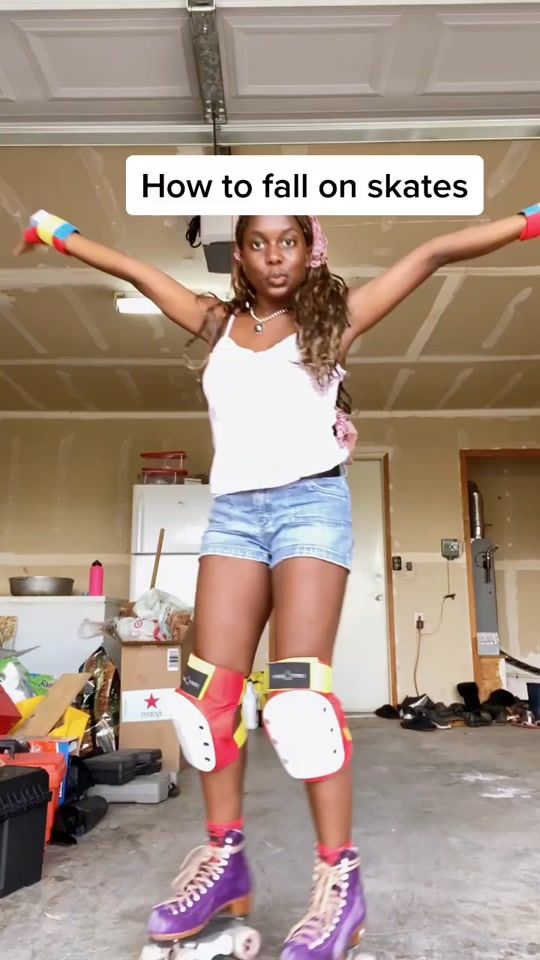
{"x": 377, "y": 298}
{"x": 177, "y": 302}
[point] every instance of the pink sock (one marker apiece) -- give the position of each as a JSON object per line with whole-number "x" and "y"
{"x": 217, "y": 831}
{"x": 331, "y": 855}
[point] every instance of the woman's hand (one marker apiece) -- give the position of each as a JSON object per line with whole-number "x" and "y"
{"x": 23, "y": 246}
{"x": 175, "y": 301}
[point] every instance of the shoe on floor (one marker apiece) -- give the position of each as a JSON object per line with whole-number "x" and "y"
{"x": 387, "y": 712}
{"x": 478, "y": 718}
{"x": 419, "y": 721}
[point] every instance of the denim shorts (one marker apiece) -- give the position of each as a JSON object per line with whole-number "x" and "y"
{"x": 307, "y": 518}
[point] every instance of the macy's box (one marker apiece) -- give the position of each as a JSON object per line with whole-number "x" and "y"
{"x": 151, "y": 672}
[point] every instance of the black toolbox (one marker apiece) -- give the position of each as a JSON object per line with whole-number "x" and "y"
{"x": 24, "y": 797}
{"x": 122, "y": 766}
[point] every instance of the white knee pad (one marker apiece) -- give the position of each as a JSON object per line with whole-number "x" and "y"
{"x": 306, "y": 725}
{"x": 204, "y": 713}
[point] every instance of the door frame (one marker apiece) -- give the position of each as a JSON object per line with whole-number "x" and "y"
{"x": 384, "y": 459}
{"x": 508, "y": 453}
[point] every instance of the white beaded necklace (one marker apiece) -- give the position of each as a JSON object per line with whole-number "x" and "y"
{"x": 260, "y": 321}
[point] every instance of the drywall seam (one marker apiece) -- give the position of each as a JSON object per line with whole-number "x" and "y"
{"x": 506, "y": 318}
{"x": 512, "y": 610}
{"x": 124, "y": 495}
{"x": 86, "y": 320}
{"x": 19, "y": 278}
{"x": 13, "y": 206}
{"x": 61, "y": 480}
{"x": 103, "y": 415}
{"x": 127, "y": 381}
{"x": 45, "y": 277}
{"x": 7, "y": 313}
{"x": 505, "y": 389}
{"x": 399, "y": 383}
{"x": 519, "y": 413}
{"x": 73, "y": 390}
{"x": 443, "y": 300}
{"x": 24, "y": 394}
{"x": 461, "y": 378}
{"x": 424, "y": 360}
{"x": 94, "y": 165}
{"x": 509, "y": 167}
{"x": 13, "y": 480}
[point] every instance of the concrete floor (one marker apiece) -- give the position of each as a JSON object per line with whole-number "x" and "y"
{"x": 447, "y": 824}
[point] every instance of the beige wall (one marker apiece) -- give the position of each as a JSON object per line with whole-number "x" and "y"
{"x": 511, "y": 491}
{"x": 65, "y": 500}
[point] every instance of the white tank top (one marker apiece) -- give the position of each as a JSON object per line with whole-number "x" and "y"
{"x": 271, "y": 423}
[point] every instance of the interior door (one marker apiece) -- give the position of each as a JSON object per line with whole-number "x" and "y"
{"x": 361, "y": 659}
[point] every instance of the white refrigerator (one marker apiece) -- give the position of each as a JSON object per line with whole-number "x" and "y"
{"x": 182, "y": 510}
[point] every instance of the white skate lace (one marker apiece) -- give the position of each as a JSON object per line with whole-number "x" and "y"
{"x": 328, "y": 901}
{"x": 198, "y": 874}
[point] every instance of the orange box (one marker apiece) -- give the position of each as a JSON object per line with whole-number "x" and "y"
{"x": 68, "y": 749}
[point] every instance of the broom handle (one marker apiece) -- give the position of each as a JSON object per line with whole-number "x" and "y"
{"x": 157, "y": 558}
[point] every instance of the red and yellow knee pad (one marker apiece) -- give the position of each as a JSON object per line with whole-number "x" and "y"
{"x": 206, "y": 712}
{"x": 531, "y": 229}
{"x": 305, "y": 721}
{"x": 49, "y": 230}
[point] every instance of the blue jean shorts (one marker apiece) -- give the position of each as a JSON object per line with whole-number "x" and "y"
{"x": 308, "y": 518}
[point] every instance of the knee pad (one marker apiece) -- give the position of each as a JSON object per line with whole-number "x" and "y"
{"x": 206, "y": 712}
{"x": 305, "y": 721}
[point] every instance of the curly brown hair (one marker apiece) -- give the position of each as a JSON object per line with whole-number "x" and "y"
{"x": 320, "y": 307}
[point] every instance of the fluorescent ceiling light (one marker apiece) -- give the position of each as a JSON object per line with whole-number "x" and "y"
{"x": 142, "y": 306}
{"x": 136, "y": 306}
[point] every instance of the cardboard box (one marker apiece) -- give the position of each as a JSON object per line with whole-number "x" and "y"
{"x": 51, "y": 709}
{"x": 150, "y": 673}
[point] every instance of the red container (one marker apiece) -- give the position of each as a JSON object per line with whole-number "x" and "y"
{"x": 55, "y": 765}
{"x": 9, "y": 713}
{"x": 168, "y": 466}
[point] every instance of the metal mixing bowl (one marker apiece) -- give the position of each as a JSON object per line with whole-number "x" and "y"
{"x": 41, "y": 586}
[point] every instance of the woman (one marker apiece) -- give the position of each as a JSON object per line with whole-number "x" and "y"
{"x": 279, "y": 535}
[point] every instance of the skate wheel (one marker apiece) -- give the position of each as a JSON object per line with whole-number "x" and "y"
{"x": 180, "y": 952}
{"x": 246, "y": 943}
{"x": 155, "y": 951}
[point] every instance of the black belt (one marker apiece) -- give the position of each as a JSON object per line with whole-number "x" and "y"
{"x": 337, "y": 471}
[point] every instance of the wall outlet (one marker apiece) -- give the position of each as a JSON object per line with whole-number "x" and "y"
{"x": 417, "y": 617}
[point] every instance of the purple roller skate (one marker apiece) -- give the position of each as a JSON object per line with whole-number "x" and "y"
{"x": 335, "y": 920}
{"x": 213, "y": 880}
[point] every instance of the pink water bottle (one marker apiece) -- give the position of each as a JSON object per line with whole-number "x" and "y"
{"x": 95, "y": 588}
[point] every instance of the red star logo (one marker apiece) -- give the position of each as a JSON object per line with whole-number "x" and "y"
{"x": 151, "y": 701}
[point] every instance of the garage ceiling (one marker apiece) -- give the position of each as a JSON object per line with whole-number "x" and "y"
{"x": 88, "y": 83}
{"x": 295, "y": 70}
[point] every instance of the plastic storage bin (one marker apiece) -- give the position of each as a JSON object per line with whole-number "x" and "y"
{"x": 24, "y": 797}
{"x": 122, "y": 766}
{"x": 55, "y": 766}
{"x": 165, "y": 466}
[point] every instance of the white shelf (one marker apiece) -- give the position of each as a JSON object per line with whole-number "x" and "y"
{"x": 72, "y": 599}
